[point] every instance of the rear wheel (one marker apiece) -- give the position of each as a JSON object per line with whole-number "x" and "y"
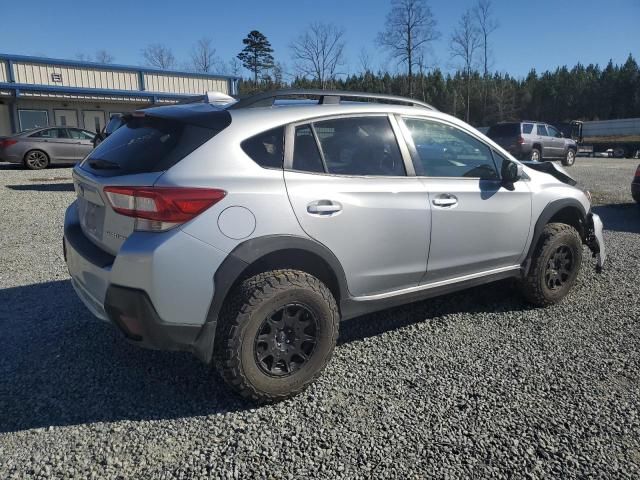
{"x": 555, "y": 265}
{"x": 535, "y": 155}
{"x": 36, "y": 160}
{"x": 276, "y": 334}
{"x": 570, "y": 159}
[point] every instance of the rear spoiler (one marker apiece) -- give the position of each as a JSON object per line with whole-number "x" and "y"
{"x": 552, "y": 169}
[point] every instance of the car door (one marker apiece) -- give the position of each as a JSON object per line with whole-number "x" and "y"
{"x": 56, "y": 143}
{"x": 477, "y": 224}
{"x": 545, "y": 141}
{"x": 556, "y": 141}
{"x": 348, "y": 185}
{"x": 83, "y": 142}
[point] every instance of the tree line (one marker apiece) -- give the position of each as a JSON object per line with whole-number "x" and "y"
{"x": 472, "y": 92}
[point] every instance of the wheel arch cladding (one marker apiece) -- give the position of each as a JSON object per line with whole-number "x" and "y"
{"x": 262, "y": 254}
{"x": 566, "y": 210}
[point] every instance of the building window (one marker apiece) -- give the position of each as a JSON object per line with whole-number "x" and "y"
{"x": 30, "y": 119}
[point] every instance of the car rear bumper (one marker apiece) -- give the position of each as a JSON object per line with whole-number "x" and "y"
{"x": 157, "y": 290}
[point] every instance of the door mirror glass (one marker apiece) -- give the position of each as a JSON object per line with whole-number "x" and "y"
{"x": 511, "y": 172}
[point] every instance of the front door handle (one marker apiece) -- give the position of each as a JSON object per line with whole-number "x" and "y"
{"x": 445, "y": 200}
{"x": 324, "y": 207}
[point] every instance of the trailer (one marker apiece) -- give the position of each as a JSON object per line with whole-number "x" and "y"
{"x": 612, "y": 138}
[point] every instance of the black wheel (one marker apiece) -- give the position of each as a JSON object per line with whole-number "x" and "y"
{"x": 36, "y": 160}
{"x": 570, "y": 159}
{"x": 554, "y": 266}
{"x": 535, "y": 155}
{"x": 276, "y": 334}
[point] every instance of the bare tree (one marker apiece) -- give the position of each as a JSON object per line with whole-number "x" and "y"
{"x": 319, "y": 52}
{"x": 465, "y": 42}
{"x": 159, "y": 56}
{"x": 235, "y": 67}
{"x": 203, "y": 56}
{"x": 409, "y": 27}
{"x": 487, "y": 25}
{"x": 102, "y": 56}
{"x": 365, "y": 60}
{"x": 83, "y": 57}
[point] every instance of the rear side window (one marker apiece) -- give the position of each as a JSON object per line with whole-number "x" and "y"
{"x": 146, "y": 144}
{"x": 266, "y": 148}
{"x": 306, "y": 156}
{"x": 504, "y": 130}
{"x": 360, "y": 146}
{"x": 527, "y": 127}
{"x": 51, "y": 133}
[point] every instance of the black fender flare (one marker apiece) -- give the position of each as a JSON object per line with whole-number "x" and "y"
{"x": 240, "y": 259}
{"x": 547, "y": 214}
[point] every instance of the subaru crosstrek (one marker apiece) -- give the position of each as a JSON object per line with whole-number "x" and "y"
{"x": 244, "y": 233}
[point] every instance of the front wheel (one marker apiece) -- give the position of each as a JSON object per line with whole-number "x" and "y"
{"x": 276, "y": 334}
{"x": 570, "y": 158}
{"x": 554, "y": 266}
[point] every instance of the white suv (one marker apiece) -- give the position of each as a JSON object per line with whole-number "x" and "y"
{"x": 244, "y": 233}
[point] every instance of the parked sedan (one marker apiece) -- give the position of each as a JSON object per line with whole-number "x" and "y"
{"x": 39, "y": 148}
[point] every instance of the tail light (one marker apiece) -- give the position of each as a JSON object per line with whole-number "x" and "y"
{"x": 161, "y": 208}
{"x": 7, "y": 143}
{"x": 638, "y": 172}
{"x": 520, "y": 140}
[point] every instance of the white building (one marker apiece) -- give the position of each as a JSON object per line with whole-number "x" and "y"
{"x": 37, "y": 92}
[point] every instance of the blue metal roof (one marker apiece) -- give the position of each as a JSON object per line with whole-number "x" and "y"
{"x": 91, "y": 91}
{"x": 108, "y": 66}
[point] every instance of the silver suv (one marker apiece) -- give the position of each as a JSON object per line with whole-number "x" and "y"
{"x": 534, "y": 141}
{"x": 245, "y": 233}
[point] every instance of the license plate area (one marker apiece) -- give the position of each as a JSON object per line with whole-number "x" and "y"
{"x": 91, "y": 210}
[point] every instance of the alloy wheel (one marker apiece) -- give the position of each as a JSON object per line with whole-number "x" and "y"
{"x": 37, "y": 160}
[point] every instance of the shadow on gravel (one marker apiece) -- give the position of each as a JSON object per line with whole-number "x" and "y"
{"x": 60, "y": 366}
{"x": 18, "y": 166}
{"x": 620, "y": 217}
{"x": 44, "y": 187}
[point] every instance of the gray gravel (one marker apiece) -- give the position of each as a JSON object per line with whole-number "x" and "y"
{"x": 471, "y": 384}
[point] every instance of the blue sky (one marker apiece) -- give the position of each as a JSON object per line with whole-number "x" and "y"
{"x": 542, "y": 34}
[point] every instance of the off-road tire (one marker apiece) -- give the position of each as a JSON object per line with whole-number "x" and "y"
{"x": 570, "y": 158}
{"x": 535, "y": 152}
{"x": 534, "y": 285}
{"x": 240, "y": 321}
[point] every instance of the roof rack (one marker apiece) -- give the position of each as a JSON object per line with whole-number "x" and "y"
{"x": 325, "y": 97}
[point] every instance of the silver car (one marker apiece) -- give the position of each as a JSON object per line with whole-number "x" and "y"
{"x": 39, "y": 148}
{"x": 245, "y": 233}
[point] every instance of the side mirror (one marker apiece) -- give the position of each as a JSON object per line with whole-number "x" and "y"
{"x": 511, "y": 172}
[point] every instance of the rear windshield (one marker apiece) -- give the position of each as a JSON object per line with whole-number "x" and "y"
{"x": 146, "y": 144}
{"x": 504, "y": 130}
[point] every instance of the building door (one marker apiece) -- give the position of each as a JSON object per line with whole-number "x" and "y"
{"x": 93, "y": 120}
{"x": 65, "y": 118}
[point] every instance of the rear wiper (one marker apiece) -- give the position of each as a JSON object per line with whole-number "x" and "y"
{"x": 103, "y": 165}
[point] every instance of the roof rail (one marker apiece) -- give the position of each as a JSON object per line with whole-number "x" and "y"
{"x": 332, "y": 97}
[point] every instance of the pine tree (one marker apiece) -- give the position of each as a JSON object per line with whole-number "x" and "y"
{"x": 257, "y": 54}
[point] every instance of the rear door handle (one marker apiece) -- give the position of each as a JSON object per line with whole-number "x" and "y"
{"x": 445, "y": 200}
{"x": 323, "y": 207}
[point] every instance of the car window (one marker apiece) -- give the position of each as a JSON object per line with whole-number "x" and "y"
{"x": 553, "y": 132}
{"x": 446, "y": 151}
{"x": 266, "y": 148}
{"x": 504, "y": 130}
{"x": 306, "y": 156}
{"x": 527, "y": 127}
{"x": 360, "y": 146}
{"x": 51, "y": 133}
{"x": 542, "y": 130}
{"x": 78, "y": 134}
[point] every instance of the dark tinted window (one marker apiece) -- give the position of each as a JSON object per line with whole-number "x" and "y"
{"x": 360, "y": 146}
{"x": 527, "y": 127}
{"x": 446, "y": 151}
{"x": 146, "y": 144}
{"x": 51, "y": 133}
{"x": 306, "y": 156}
{"x": 553, "y": 132}
{"x": 266, "y": 148}
{"x": 542, "y": 130}
{"x": 504, "y": 130}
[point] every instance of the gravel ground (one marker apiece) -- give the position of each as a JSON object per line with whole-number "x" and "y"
{"x": 474, "y": 384}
